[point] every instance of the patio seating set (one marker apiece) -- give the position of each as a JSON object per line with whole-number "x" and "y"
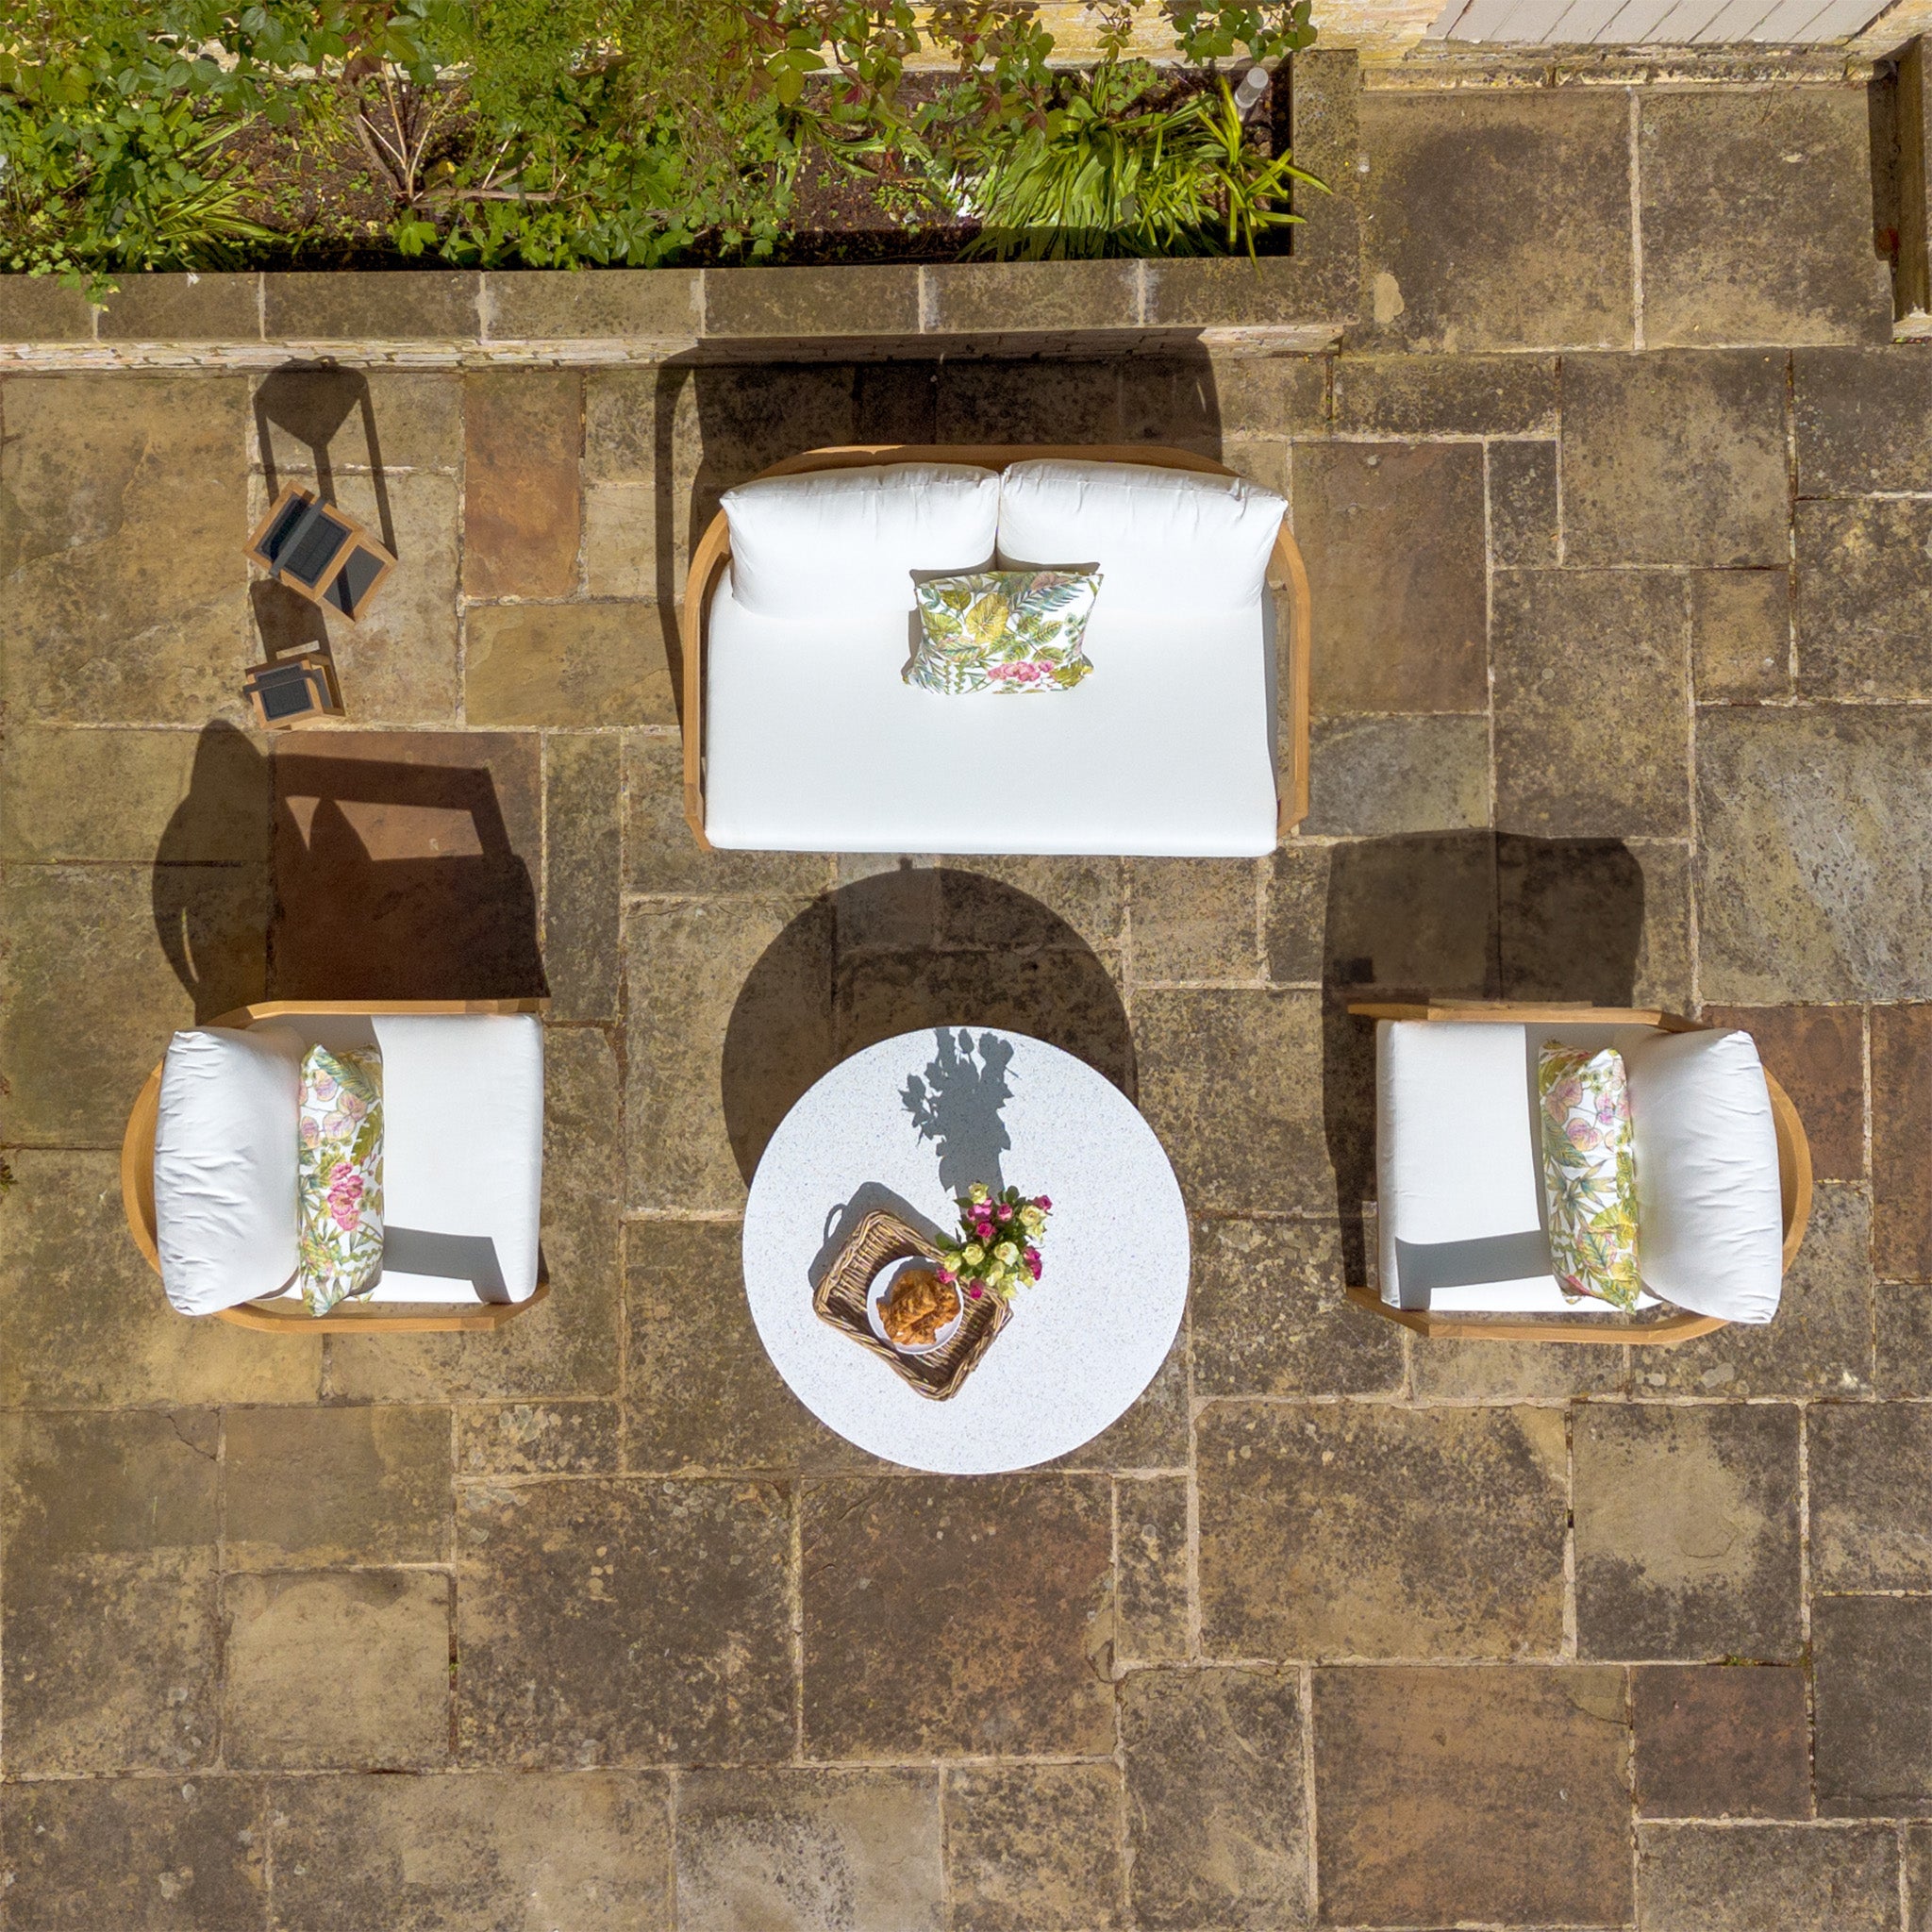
{"x": 838, "y": 608}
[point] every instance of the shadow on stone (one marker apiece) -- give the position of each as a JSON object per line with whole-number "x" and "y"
{"x": 310, "y": 404}
{"x": 390, "y": 879}
{"x": 890, "y": 954}
{"x": 1457, "y": 915}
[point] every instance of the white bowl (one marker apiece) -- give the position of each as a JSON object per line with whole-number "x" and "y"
{"x": 882, "y": 1286}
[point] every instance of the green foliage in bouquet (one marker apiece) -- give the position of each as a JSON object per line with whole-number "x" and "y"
{"x": 996, "y": 1250}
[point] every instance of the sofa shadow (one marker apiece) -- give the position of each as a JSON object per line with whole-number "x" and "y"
{"x": 381, "y": 879}
{"x": 1457, "y": 915}
{"x": 917, "y": 949}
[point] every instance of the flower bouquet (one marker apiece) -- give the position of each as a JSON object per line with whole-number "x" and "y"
{"x": 995, "y": 1251}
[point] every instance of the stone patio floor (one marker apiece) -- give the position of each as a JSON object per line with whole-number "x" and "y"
{"x": 1621, "y": 660}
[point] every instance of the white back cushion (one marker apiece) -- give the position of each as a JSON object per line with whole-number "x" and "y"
{"x": 1710, "y": 1225}
{"x": 1164, "y": 540}
{"x": 837, "y": 542}
{"x": 225, "y": 1165}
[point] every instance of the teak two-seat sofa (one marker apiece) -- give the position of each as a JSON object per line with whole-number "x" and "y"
{"x": 1189, "y": 738}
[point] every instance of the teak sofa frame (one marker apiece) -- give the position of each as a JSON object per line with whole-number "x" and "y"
{"x": 1794, "y": 1179}
{"x": 713, "y": 553}
{"x": 359, "y": 1318}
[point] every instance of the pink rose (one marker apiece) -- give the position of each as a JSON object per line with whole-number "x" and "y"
{"x": 1033, "y": 1262}
{"x": 1005, "y": 1213}
{"x": 1042, "y": 1203}
{"x": 973, "y": 1292}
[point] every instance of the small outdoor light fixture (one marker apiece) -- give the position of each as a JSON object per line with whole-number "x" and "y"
{"x": 320, "y": 551}
{"x": 292, "y": 690}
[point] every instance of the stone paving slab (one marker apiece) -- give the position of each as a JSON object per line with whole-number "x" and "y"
{"x": 1619, "y": 698}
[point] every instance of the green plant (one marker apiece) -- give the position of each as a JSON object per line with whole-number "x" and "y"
{"x": 1105, "y": 178}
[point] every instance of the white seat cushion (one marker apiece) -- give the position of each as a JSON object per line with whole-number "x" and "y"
{"x": 225, "y": 1165}
{"x": 829, "y": 543}
{"x": 1709, "y": 1212}
{"x": 814, "y": 742}
{"x": 1174, "y": 541}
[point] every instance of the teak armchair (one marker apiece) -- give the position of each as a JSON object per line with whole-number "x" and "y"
{"x": 1665, "y": 1326}
{"x": 278, "y": 1315}
{"x": 1287, "y": 578}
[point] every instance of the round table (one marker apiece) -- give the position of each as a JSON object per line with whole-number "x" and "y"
{"x": 911, "y": 1123}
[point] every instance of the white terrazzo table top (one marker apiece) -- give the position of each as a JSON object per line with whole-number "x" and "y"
{"x": 909, "y": 1123}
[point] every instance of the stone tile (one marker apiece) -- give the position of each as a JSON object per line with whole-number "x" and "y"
{"x": 1591, "y": 692}
{"x": 801, "y": 1850}
{"x": 1433, "y": 1797}
{"x": 1217, "y": 1799}
{"x": 523, "y": 437}
{"x": 1007, "y": 1578}
{"x": 1901, "y": 1154}
{"x": 1269, "y": 1316}
{"x": 1821, "y": 1342}
{"x": 1817, "y": 1054}
{"x": 112, "y": 1644}
{"x": 630, "y": 424}
{"x": 1036, "y": 903}
{"x": 1416, "y": 911}
{"x": 583, "y": 875}
{"x": 1197, "y": 1047}
{"x": 1153, "y": 1432}
{"x": 1740, "y": 634}
{"x": 124, "y": 597}
{"x": 624, "y": 547}
{"x": 135, "y": 796}
{"x": 1446, "y": 395}
{"x": 1456, "y": 257}
{"x": 87, "y": 998}
{"x": 731, "y": 422}
{"x": 895, "y": 402}
{"x": 1069, "y": 998}
{"x": 1368, "y": 1531}
{"x": 304, "y": 1487}
{"x": 1872, "y": 1673}
{"x": 1864, "y": 600}
{"x": 1798, "y": 1877}
{"x": 1058, "y": 402}
{"x": 706, "y": 975}
{"x": 1918, "y": 1856}
{"x": 141, "y": 1855}
{"x": 1151, "y": 1568}
{"x": 538, "y": 1438}
{"x": 398, "y": 665}
{"x": 989, "y": 298}
{"x": 1813, "y": 827}
{"x": 1392, "y": 536}
{"x": 1524, "y": 504}
{"x": 1270, "y": 395}
{"x": 1378, "y": 776}
{"x": 1441, "y": 1370}
{"x": 1867, "y": 1476}
{"x": 1757, "y": 213}
{"x": 38, "y": 309}
{"x": 1673, "y": 457}
{"x": 1687, "y": 1531}
{"x": 589, "y": 1850}
{"x": 343, "y": 421}
{"x": 620, "y": 1623}
{"x": 1193, "y": 919}
{"x": 568, "y": 664}
{"x": 352, "y": 309}
{"x": 1175, "y": 401}
{"x": 701, "y": 1392}
{"x": 1294, "y": 911}
{"x": 662, "y": 855}
{"x": 83, "y": 1322}
{"x": 1903, "y": 1318}
{"x": 1034, "y": 1848}
{"x": 568, "y": 1344}
{"x": 524, "y": 305}
{"x": 1602, "y": 919}
{"x": 405, "y": 865}
{"x": 1862, "y": 419}
{"x": 780, "y": 302}
{"x": 1316, "y": 285}
{"x": 1722, "y": 1741}
{"x": 337, "y": 1670}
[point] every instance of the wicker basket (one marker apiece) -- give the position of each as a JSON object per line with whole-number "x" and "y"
{"x": 841, "y": 1299}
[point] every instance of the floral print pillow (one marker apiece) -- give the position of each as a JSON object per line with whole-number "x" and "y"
{"x": 1590, "y": 1172}
{"x": 338, "y": 1175}
{"x": 1003, "y": 630}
